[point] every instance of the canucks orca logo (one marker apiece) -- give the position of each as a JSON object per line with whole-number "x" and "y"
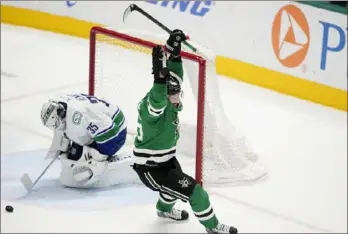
{"x": 76, "y": 118}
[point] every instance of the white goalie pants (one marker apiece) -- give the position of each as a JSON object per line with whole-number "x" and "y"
{"x": 102, "y": 174}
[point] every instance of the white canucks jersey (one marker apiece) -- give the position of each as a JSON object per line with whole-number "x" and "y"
{"x": 92, "y": 120}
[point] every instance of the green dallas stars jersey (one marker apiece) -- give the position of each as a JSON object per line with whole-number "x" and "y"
{"x": 158, "y": 123}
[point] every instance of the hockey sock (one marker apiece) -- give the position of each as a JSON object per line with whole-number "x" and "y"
{"x": 202, "y": 209}
{"x": 165, "y": 203}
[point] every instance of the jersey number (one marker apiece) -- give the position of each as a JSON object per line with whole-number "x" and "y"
{"x": 91, "y": 99}
{"x": 140, "y": 132}
{"x": 92, "y": 128}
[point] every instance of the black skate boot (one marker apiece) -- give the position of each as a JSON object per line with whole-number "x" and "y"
{"x": 175, "y": 214}
{"x": 222, "y": 228}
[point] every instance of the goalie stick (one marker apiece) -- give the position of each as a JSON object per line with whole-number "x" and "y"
{"x": 134, "y": 7}
{"x": 27, "y": 182}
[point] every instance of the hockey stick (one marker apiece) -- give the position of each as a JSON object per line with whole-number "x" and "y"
{"x": 27, "y": 182}
{"x": 134, "y": 7}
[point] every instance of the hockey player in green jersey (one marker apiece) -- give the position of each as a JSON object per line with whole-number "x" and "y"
{"x": 154, "y": 153}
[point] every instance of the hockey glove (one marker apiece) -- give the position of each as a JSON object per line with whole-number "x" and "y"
{"x": 94, "y": 154}
{"x": 174, "y": 42}
{"x": 159, "y": 65}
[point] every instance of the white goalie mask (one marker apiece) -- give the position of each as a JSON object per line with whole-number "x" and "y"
{"x": 53, "y": 115}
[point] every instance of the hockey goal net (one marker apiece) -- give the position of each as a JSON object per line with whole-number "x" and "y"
{"x": 120, "y": 71}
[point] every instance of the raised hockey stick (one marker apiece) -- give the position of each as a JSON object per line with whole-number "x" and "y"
{"x": 27, "y": 182}
{"x": 134, "y": 7}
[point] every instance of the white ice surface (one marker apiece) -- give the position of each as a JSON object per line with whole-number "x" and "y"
{"x": 304, "y": 145}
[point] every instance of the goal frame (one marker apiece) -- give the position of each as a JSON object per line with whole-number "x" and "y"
{"x": 185, "y": 55}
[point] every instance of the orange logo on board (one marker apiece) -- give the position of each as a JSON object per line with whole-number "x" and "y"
{"x": 290, "y": 36}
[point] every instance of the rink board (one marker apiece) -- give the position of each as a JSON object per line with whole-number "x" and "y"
{"x": 232, "y": 68}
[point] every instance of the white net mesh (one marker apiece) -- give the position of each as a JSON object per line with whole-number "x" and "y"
{"x": 123, "y": 75}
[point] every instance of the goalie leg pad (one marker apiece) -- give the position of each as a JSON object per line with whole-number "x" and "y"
{"x": 81, "y": 174}
{"x": 120, "y": 170}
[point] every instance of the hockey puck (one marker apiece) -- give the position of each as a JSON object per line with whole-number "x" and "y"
{"x": 9, "y": 209}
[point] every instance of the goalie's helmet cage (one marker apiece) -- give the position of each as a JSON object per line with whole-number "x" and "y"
{"x": 120, "y": 71}
{"x": 53, "y": 115}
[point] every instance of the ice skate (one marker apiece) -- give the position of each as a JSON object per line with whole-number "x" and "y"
{"x": 222, "y": 228}
{"x": 174, "y": 214}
